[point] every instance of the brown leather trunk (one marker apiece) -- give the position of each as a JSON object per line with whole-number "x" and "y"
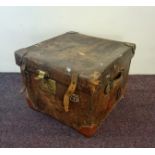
{"x": 75, "y": 78}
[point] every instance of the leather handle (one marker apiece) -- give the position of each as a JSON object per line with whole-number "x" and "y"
{"x": 118, "y": 76}
{"x": 114, "y": 81}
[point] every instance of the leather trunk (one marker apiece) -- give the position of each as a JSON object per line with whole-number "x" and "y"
{"x": 75, "y": 78}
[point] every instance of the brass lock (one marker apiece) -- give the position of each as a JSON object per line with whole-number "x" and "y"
{"x": 46, "y": 84}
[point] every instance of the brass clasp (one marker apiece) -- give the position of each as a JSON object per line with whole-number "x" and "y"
{"x": 41, "y": 75}
{"x": 46, "y": 84}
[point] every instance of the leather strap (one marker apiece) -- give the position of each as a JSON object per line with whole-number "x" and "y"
{"x": 70, "y": 91}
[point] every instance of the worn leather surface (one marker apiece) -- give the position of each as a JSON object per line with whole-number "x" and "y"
{"x": 74, "y": 51}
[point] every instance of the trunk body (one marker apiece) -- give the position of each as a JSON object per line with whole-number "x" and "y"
{"x": 75, "y": 78}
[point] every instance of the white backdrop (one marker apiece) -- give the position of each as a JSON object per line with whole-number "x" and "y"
{"x": 23, "y": 26}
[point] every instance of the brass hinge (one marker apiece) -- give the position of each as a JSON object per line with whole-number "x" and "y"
{"x": 70, "y": 91}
